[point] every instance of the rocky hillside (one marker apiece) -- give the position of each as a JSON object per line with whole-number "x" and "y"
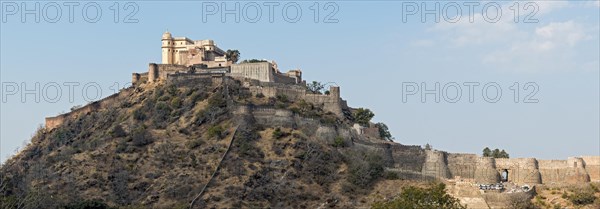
{"x": 196, "y": 141}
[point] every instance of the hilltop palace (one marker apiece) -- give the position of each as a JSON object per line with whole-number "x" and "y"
{"x": 185, "y": 59}
{"x": 183, "y": 55}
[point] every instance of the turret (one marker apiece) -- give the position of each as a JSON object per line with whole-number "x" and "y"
{"x": 436, "y": 164}
{"x": 334, "y": 91}
{"x": 152, "y": 72}
{"x": 167, "y": 48}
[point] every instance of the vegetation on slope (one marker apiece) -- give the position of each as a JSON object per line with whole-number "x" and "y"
{"x": 160, "y": 146}
{"x": 150, "y": 149}
{"x": 572, "y": 196}
{"x": 432, "y": 197}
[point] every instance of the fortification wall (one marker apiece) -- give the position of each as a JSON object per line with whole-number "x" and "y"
{"x": 165, "y": 69}
{"x": 592, "y": 166}
{"x": 524, "y": 170}
{"x": 436, "y": 164}
{"x": 371, "y": 132}
{"x": 520, "y": 170}
{"x": 552, "y": 171}
{"x": 274, "y": 117}
{"x": 485, "y": 171}
{"x": 462, "y": 165}
{"x": 330, "y": 103}
{"x": 409, "y": 158}
{"x": 138, "y": 78}
{"x": 158, "y": 72}
{"x": 552, "y": 164}
{"x": 261, "y": 71}
{"x": 576, "y": 171}
{"x": 280, "y": 78}
{"x": 53, "y": 122}
{"x": 193, "y": 78}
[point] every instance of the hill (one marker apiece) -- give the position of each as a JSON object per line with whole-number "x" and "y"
{"x": 213, "y": 141}
{"x": 165, "y": 145}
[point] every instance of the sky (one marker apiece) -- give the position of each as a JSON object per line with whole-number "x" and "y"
{"x": 520, "y": 76}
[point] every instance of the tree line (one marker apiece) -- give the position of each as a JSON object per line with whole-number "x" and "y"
{"x": 496, "y": 153}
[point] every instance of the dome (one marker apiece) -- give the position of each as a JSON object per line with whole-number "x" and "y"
{"x": 166, "y": 35}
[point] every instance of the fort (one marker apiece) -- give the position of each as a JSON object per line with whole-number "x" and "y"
{"x": 184, "y": 59}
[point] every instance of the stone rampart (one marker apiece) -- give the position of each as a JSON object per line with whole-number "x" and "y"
{"x": 371, "y": 132}
{"x": 409, "y": 158}
{"x": 520, "y": 170}
{"x": 165, "y": 69}
{"x": 53, "y": 122}
{"x": 191, "y": 78}
{"x": 330, "y": 103}
{"x": 436, "y": 164}
{"x": 462, "y": 165}
{"x": 138, "y": 78}
{"x": 282, "y": 78}
{"x": 158, "y": 72}
{"x": 592, "y": 166}
{"x": 262, "y": 71}
{"x": 485, "y": 171}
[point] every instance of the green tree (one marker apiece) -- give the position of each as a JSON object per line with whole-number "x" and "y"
{"x": 232, "y": 55}
{"x": 432, "y": 197}
{"x": 315, "y": 87}
{"x": 363, "y": 116}
{"x": 364, "y": 168}
{"x": 495, "y": 153}
{"x": 503, "y": 154}
{"x": 384, "y": 131}
{"x": 487, "y": 152}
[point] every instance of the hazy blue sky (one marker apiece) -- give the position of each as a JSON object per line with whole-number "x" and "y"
{"x": 365, "y": 47}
